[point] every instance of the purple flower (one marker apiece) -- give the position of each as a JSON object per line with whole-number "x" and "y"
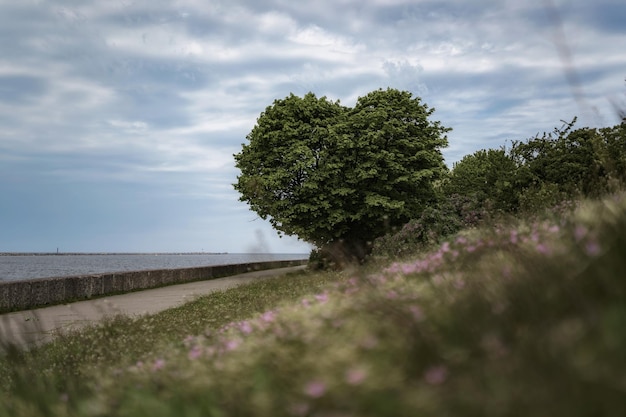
{"x": 593, "y": 248}
{"x": 437, "y": 280}
{"x": 158, "y": 365}
{"x": 232, "y": 344}
{"x": 437, "y": 256}
{"x": 436, "y": 375}
{"x": 393, "y": 268}
{"x": 580, "y": 232}
{"x": 322, "y": 298}
{"x": 245, "y": 327}
{"x": 417, "y": 313}
{"x": 553, "y": 229}
{"x": 351, "y": 290}
{"x": 409, "y": 268}
{"x": 315, "y": 389}
{"x": 356, "y": 376}
{"x": 268, "y": 316}
{"x": 543, "y": 249}
{"x": 194, "y": 353}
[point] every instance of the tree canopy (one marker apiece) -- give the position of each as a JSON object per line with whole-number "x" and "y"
{"x": 329, "y": 173}
{"x": 542, "y": 170}
{"x": 488, "y": 176}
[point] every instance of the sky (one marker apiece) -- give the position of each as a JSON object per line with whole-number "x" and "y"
{"x": 119, "y": 119}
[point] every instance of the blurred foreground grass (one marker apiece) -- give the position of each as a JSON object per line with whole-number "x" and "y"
{"x": 520, "y": 318}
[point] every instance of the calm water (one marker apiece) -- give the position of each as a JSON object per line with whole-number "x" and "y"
{"x": 30, "y": 266}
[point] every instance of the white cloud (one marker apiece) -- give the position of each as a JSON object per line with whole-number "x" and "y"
{"x": 129, "y": 127}
{"x": 275, "y": 23}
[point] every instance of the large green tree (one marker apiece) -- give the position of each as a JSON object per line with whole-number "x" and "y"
{"x": 331, "y": 174}
{"x": 486, "y": 176}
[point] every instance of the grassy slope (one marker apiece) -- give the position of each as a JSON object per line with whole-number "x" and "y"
{"x": 524, "y": 319}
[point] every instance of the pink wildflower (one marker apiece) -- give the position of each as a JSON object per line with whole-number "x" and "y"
{"x": 392, "y": 295}
{"x": 394, "y": 268}
{"x": 245, "y": 327}
{"x": 315, "y": 389}
{"x": 409, "y": 268}
{"x": 543, "y": 249}
{"x": 356, "y": 376}
{"x": 437, "y": 280}
{"x": 158, "y": 365}
{"x": 436, "y": 375}
{"x": 592, "y": 248}
{"x": 580, "y": 232}
{"x": 417, "y": 313}
{"x": 194, "y": 353}
{"x": 322, "y": 298}
{"x": 232, "y": 344}
{"x": 268, "y": 316}
{"x": 535, "y": 237}
{"x": 351, "y": 290}
{"x": 370, "y": 342}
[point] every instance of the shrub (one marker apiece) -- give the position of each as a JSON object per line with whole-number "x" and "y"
{"x": 434, "y": 224}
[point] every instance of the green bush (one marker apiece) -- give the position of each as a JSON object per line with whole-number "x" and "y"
{"x": 431, "y": 227}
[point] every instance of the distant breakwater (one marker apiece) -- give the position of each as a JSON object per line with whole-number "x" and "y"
{"x": 29, "y": 294}
{"x": 106, "y": 253}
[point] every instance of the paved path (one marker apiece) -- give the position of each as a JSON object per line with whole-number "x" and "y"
{"x": 26, "y": 328}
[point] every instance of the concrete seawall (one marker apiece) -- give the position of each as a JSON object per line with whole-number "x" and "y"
{"x": 28, "y": 294}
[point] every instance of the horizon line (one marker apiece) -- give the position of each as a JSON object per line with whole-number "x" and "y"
{"x": 146, "y": 253}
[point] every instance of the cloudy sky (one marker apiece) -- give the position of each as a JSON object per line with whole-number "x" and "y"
{"x": 119, "y": 119}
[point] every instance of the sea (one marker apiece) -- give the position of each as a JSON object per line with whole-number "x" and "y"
{"x": 25, "y": 266}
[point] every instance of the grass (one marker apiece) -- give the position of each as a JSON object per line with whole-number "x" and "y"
{"x": 520, "y": 318}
